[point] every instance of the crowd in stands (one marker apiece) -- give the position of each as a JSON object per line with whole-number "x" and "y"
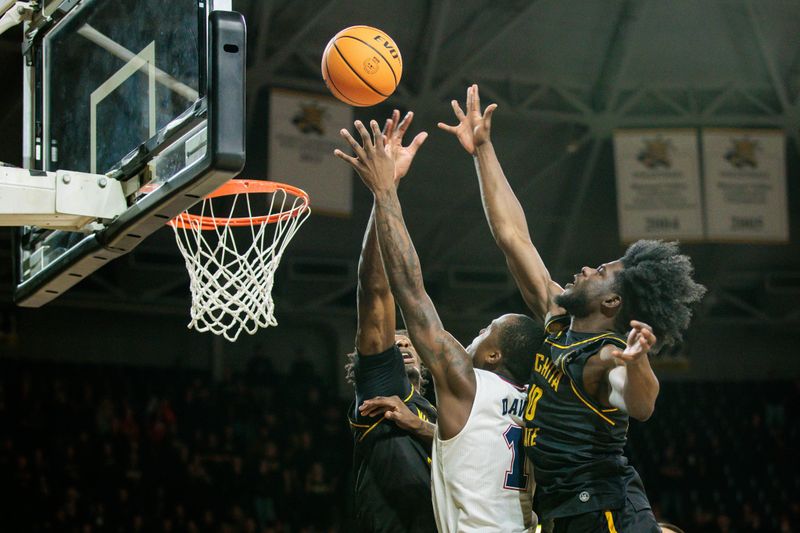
{"x": 91, "y": 449}
{"x": 722, "y": 457}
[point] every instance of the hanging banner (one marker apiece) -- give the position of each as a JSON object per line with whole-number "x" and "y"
{"x": 745, "y": 185}
{"x": 303, "y": 132}
{"x": 658, "y": 184}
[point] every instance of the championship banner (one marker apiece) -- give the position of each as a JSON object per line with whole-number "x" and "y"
{"x": 658, "y": 184}
{"x": 745, "y": 185}
{"x": 303, "y": 132}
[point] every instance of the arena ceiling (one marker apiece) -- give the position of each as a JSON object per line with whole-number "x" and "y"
{"x": 564, "y": 74}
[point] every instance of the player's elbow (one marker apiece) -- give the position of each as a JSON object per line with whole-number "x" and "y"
{"x": 642, "y": 414}
{"x": 506, "y": 236}
{"x": 645, "y": 408}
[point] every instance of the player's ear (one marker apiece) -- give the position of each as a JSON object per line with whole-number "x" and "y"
{"x": 611, "y": 304}
{"x": 494, "y": 357}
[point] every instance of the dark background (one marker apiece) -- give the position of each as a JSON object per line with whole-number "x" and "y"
{"x": 565, "y": 74}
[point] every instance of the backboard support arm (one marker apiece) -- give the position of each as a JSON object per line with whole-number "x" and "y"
{"x": 65, "y": 200}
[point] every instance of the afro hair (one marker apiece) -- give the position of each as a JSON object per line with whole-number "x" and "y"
{"x": 656, "y": 287}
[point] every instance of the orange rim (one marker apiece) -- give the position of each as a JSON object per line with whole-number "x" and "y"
{"x": 237, "y": 186}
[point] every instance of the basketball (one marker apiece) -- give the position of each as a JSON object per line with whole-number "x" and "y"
{"x": 361, "y": 66}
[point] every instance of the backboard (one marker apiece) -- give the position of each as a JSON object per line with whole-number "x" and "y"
{"x": 132, "y": 89}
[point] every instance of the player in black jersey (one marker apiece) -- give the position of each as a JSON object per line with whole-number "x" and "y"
{"x": 471, "y": 383}
{"x": 391, "y": 459}
{"x": 587, "y": 380}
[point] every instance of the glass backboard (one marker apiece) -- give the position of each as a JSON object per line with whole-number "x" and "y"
{"x": 131, "y": 89}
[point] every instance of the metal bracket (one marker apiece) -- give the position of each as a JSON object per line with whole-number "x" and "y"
{"x": 59, "y": 200}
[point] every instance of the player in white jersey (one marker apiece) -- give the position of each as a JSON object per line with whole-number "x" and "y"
{"x": 480, "y": 481}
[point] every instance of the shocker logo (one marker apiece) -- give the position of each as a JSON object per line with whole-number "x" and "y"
{"x": 371, "y": 64}
{"x": 742, "y": 153}
{"x": 309, "y": 118}
{"x": 656, "y": 153}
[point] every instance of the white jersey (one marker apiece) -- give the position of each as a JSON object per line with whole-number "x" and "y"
{"x": 481, "y": 479}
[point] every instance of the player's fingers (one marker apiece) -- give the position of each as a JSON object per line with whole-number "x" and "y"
{"x": 404, "y": 124}
{"x": 357, "y": 149}
{"x": 347, "y": 158}
{"x": 376, "y": 134}
{"x": 447, "y": 127}
{"x": 457, "y": 110}
{"x": 646, "y": 343}
{"x": 476, "y": 98}
{"x": 417, "y": 142}
{"x": 388, "y": 127}
{"x": 487, "y": 115}
{"x": 366, "y": 140}
{"x": 376, "y": 402}
{"x": 632, "y": 336}
{"x": 640, "y": 325}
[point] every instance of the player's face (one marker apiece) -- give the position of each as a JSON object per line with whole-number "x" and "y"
{"x": 486, "y": 342}
{"x": 410, "y": 356}
{"x": 589, "y": 288}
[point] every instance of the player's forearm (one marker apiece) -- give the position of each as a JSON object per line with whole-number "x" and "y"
{"x": 371, "y": 276}
{"x": 376, "y": 314}
{"x": 641, "y": 389}
{"x": 503, "y": 211}
{"x": 402, "y": 266}
{"x": 400, "y": 259}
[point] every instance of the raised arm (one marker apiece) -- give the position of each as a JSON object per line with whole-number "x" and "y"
{"x": 376, "y": 307}
{"x": 632, "y": 384}
{"x": 502, "y": 209}
{"x": 448, "y": 361}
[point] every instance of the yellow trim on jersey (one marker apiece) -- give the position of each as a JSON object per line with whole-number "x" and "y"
{"x": 610, "y": 520}
{"x": 370, "y": 428}
{"x": 552, "y": 321}
{"x": 603, "y": 336}
{"x": 612, "y": 410}
{"x": 589, "y": 405}
{"x": 410, "y": 394}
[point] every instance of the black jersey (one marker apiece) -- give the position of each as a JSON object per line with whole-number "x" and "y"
{"x": 391, "y": 468}
{"x": 576, "y": 445}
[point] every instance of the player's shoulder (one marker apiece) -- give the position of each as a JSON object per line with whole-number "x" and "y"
{"x": 498, "y": 382}
{"x": 556, "y": 323}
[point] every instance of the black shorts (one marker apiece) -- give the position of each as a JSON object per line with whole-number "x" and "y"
{"x": 625, "y": 520}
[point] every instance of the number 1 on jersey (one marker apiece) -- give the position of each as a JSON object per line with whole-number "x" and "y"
{"x": 516, "y": 478}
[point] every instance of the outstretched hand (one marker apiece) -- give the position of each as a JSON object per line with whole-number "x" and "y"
{"x": 393, "y": 131}
{"x": 473, "y": 129}
{"x": 392, "y": 408}
{"x": 373, "y": 162}
{"x": 640, "y": 340}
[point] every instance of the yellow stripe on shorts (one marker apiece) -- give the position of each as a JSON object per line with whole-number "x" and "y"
{"x": 610, "y": 520}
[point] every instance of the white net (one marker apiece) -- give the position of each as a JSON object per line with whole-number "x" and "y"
{"x": 232, "y": 261}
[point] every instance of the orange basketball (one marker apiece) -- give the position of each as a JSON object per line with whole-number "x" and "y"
{"x": 361, "y": 66}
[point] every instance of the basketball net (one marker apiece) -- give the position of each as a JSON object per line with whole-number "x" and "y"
{"x": 232, "y": 261}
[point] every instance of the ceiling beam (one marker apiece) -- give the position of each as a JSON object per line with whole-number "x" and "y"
{"x": 440, "y": 10}
{"x": 767, "y": 56}
{"x": 791, "y": 110}
{"x": 477, "y": 53}
{"x": 277, "y": 59}
{"x": 443, "y": 244}
{"x": 605, "y": 90}
{"x": 577, "y": 204}
{"x": 262, "y": 38}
